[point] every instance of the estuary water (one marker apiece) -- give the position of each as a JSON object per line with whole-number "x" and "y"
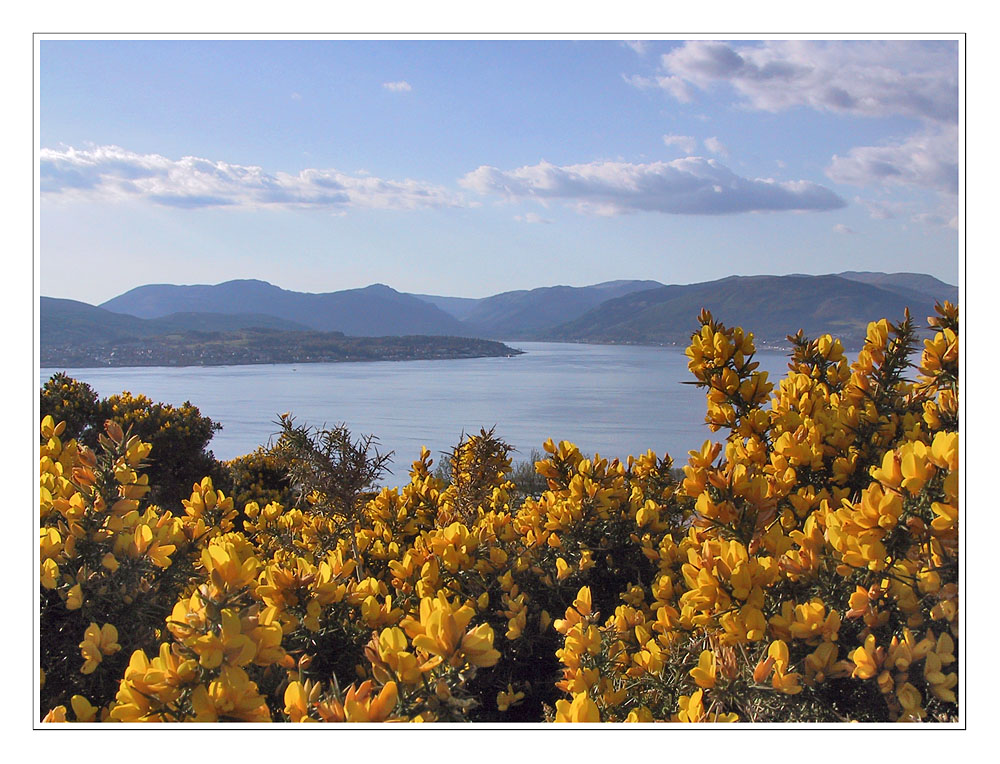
{"x": 611, "y": 399}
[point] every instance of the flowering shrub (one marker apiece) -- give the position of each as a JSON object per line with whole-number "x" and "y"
{"x": 806, "y": 569}
{"x": 179, "y": 435}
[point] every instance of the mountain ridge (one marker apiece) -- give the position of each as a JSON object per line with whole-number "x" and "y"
{"x": 372, "y": 311}
{"x": 524, "y": 311}
{"x": 620, "y": 311}
{"x": 75, "y": 334}
{"x": 772, "y": 307}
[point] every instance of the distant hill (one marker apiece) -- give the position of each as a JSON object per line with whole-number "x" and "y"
{"x": 769, "y": 306}
{"x": 522, "y": 314}
{"x": 376, "y": 310}
{"x": 75, "y": 334}
{"x": 459, "y": 307}
{"x": 263, "y": 346}
{"x": 626, "y": 311}
{"x": 906, "y": 284}
{"x": 65, "y": 321}
{"x": 68, "y": 321}
{"x": 222, "y": 322}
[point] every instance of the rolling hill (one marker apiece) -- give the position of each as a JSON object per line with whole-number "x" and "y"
{"x": 372, "y": 311}
{"x": 770, "y": 306}
{"x": 66, "y": 321}
{"x": 634, "y": 312}
{"x": 522, "y": 314}
{"x": 909, "y": 285}
{"x": 75, "y": 334}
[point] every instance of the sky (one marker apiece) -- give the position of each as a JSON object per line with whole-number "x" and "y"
{"x": 468, "y": 168}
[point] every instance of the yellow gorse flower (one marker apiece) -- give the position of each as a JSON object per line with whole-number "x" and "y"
{"x": 581, "y": 710}
{"x": 98, "y": 641}
{"x": 818, "y": 541}
{"x": 704, "y": 673}
{"x": 507, "y": 698}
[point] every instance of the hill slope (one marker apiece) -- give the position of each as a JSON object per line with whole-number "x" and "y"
{"x": 770, "y": 306}
{"x": 376, "y": 310}
{"x": 63, "y": 322}
{"x": 523, "y": 313}
{"x": 906, "y": 284}
{"x": 459, "y": 307}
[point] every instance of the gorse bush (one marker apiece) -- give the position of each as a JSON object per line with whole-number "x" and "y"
{"x": 179, "y": 435}
{"x": 804, "y": 570}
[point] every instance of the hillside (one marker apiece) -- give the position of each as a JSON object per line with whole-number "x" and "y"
{"x": 626, "y": 311}
{"x": 263, "y": 346}
{"x": 62, "y": 322}
{"x": 906, "y": 284}
{"x": 774, "y": 306}
{"x": 75, "y": 334}
{"x": 373, "y": 311}
{"x": 523, "y": 313}
{"x": 459, "y": 307}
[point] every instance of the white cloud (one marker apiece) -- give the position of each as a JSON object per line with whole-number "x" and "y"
{"x": 862, "y": 77}
{"x": 398, "y": 87}
{"x": 685, "y": 143}
{"x": 296, "y": 96}
{"x": 110, "y": 172}
{"x": 943, "y": 218}
{"x": 928, "y": 159}
{"x": 693, "y": 186}
{"x": 716, "y": 146}
{"x": 532, "y": 217}
{"x": 945, "y": 215}
{"x": 880, "y": 209}
{"x": 641, "y": 47}
{"x": 676, "y": 86}
{"x": 841, "y": 228}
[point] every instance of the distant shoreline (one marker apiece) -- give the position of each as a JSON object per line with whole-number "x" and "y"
{"x": 250, "y": 347}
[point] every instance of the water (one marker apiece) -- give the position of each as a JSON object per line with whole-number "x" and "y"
{"x": 614, "y": 400}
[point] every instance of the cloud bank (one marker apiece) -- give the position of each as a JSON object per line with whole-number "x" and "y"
{"x": 925, "y": 160}
{"x": 689, "y": 186}
{"x": 873, "y": 79}
{"x": 113, "y": 173}
{"x": 870, "y": 78}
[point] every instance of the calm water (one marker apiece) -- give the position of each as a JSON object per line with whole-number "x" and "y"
{"x": 613, "y": 400}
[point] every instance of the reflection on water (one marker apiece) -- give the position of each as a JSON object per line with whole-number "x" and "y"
{"x": 615, "y": 400}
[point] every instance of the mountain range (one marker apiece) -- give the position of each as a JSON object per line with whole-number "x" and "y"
{"x": 772, "y": 307}
{"x": 374, "y": 311}
{"x": 627, "y": 311}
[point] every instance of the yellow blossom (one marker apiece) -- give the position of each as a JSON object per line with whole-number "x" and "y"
{"x": 507, "y": 698}
{"x": 704, "y": 673}
{"x": 98, "y": 641}
{"x": 581, "y": 710}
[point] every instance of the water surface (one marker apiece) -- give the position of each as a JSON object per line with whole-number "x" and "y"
{"x": 612, "y": 399}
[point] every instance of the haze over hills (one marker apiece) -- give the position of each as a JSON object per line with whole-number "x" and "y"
{"x": 65, "y": 321}
{"x": 906, "y": 284}
{"x": 632, "y": 312}
{"x": 374, "y": 311}
{"x": 524, "y": 312}
{"x": 378, "y": 310}
{"x": 75, "y": 334}
{"x": 459, "y": 307}
{"x": 770, "y": 306}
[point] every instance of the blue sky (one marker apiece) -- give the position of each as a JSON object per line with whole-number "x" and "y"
{"x": 469, "y": 168}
